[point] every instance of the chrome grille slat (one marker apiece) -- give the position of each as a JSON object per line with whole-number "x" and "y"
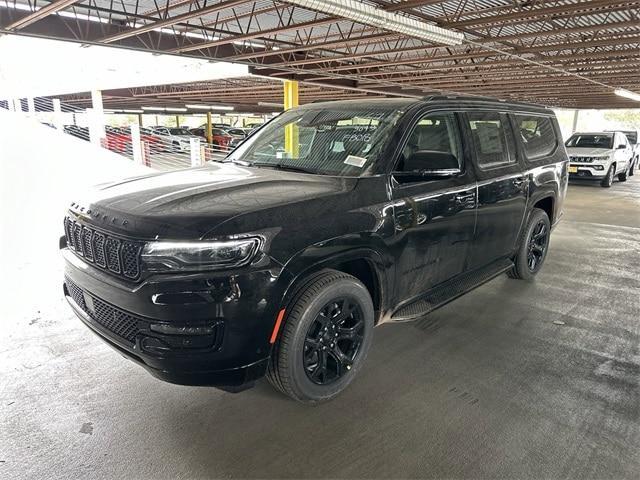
{"x": 115, "y": 255}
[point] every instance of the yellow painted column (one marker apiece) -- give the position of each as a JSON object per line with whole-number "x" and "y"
{"x": 291, "y": 138}
{"x": 209, "y": 130}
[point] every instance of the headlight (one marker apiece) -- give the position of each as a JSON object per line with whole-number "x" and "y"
{"x": 162, "y": 256}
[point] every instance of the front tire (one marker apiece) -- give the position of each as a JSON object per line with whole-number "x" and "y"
{"x": 608, "y": 180}
{"x": 533, "y": 247}
{"x": 325, "y": 339}
{"x": 623, "y": 176}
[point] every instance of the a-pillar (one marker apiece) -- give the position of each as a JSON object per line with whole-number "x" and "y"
{"x": 291, "y": 138}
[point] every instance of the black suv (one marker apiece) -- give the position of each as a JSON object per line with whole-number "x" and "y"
{"x": 330, "y": 219}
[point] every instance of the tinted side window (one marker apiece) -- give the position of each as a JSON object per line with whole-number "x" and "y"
{"x": 537, "y": 134}
{"x": 433, "y": 132}
{"x": 492, "y": 139}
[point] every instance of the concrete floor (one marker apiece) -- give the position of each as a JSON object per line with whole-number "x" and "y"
{"x": 486, "y": 387}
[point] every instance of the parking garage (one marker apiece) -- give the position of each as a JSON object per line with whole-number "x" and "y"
{"x": 508, "y": 379}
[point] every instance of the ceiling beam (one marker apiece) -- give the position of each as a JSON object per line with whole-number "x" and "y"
{"x": 39, "y": 14}
{"x": 171, "y": 21}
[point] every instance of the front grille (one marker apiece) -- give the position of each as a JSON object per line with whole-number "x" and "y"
{"x": 117, "y": 321}
{"x": 578, "y": 159}
{"x": 117, "y": 256}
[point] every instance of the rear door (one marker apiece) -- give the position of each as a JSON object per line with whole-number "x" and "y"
{"x": 502, "y": 186}
{"x": 434, "y": 219}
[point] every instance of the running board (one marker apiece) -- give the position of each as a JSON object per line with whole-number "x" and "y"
{"x": 450, "y": 290}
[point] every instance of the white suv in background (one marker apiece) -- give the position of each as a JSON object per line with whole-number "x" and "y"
{"x": 176, "y": 139}
{"x": 599, "y": 156}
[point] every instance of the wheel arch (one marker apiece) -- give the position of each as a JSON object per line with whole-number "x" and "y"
{"x": 547, "y": 204}
{"x": 364, "y": 263}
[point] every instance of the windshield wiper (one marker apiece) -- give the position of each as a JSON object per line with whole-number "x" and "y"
{"x": 282, "y": 166}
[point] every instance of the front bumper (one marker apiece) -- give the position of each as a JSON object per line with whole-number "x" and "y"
{"x": 588, "y": 171}
{"x": 231, "y": 353}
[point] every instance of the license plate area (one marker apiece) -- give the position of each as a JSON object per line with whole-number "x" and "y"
{"x": 573, "y": 169}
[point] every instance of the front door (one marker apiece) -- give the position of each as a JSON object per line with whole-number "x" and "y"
{"x": 502, "y": 187}
{"x": 434, "y": 218}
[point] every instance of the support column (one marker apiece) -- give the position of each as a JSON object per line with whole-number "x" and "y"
{"x": 194, "y": 151}
{"x": 574, "y": 127}
{"x": 96, "y": 119}
{"x": 209, "y": 129}
{"x": 178, "y": 121}
{"x": 140, "y": 120}
{"x": 31, "y": 106}
{"x": 291, "y": 139}
{"x": 136, "y": 143}
{"x": 57, "y": 114}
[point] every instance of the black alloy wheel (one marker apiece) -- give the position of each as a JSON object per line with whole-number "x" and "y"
{"x": 537, "y": 247}
{"x": 324, "y": 339}
{"x": 532, "y": 247}
{"x": 333, "y": 341}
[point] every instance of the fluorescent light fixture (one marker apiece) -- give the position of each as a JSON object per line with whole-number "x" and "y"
{"x": 122, "y": 111}
{"x": 621, "y": 92}
{"x": 165, "y": 109}
{"x": 270, "y": 104}
{"x": 360, "y": 12}
{"x": 211, "y": 107}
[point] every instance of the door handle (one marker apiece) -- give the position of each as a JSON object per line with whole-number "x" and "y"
{"x": 518, "y": 182}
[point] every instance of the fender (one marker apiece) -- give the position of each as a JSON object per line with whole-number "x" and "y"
{"x": 328, "y": 254}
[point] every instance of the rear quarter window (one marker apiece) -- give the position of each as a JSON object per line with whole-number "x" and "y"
{"x": 537, "y": 134}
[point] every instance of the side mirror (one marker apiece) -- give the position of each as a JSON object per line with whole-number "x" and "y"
{"x": 622, "y": 146}
{"x": 430, "y": 163}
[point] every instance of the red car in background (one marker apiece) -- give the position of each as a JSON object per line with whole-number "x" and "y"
{"x": 219, "y": 138}
{"x": 119, "y": 139}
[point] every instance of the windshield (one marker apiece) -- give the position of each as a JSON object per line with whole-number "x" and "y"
{"x": 179, "y": 131}
{"x": 343, "y": 141}
{"x": 591, "y": 141}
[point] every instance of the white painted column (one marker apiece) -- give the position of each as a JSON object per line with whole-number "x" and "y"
{"x": 136, "y": 145}
{"x": 574, "y": 127}
{"x": 96, "y": 118}
{"x": 57, "y": 115}
{"x": 196, "y": 155}
{"x": 31, "y": 106}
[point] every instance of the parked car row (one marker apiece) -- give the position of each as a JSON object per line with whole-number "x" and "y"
{"x": 167, "y": 139}
{"x": 602, "y": 156}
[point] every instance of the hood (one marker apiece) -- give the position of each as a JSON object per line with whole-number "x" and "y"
{"x": 585, "y": 151}
{"x": 189, "y": 203}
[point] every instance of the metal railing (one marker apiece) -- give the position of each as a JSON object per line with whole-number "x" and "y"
{"x": 158, "y": 147}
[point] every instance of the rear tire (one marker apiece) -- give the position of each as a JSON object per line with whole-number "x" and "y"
{"x": 325, "y": 338}
{"x": 533, "y": 247}
{"x": 608, "y": 180}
